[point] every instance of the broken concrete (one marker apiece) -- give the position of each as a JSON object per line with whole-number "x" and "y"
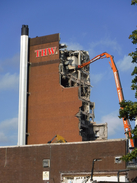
{"x": 70, "y": 77}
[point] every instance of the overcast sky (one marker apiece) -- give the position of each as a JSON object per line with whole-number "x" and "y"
{"x": 96, "y": 26}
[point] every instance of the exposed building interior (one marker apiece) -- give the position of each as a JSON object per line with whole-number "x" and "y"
{"x": 70, "y": 77}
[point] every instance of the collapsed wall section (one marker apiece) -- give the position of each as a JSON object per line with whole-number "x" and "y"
{"x": 70, "y": 77}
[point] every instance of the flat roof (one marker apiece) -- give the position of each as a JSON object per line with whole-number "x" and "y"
{"x": 67, "y": 143}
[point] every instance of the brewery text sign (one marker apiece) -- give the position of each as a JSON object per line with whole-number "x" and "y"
{"x": 46, "y": 52}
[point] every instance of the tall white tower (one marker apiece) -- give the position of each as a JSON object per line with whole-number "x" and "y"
{"x": 23, "y": 85}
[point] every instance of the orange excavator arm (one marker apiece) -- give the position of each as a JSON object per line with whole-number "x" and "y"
{"x": 126, "y": 123}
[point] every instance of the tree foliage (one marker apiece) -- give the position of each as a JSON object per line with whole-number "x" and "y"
{"x": 133, "y": 2}
{"x": 128, "y": 109}
{"x": 133, "y": 154}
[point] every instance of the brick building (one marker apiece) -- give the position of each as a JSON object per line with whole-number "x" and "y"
{"x": 52, "y": 108}
{"x": 63, "y": 162}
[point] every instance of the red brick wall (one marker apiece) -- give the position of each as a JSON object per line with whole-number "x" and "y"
{"x": 24, "y": 164}
{"x": 51, "y": 108}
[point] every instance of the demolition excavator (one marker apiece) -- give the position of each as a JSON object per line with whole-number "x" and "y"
{"x": 127, "y": 127}
{"x": 59, "y": 139}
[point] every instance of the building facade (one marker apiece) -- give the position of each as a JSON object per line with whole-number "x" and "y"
{"x": 51, "y": 108}
{"x": 66, "y": 162}
{"x": 58, "y": 96}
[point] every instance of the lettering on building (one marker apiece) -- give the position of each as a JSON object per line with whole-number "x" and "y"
{"x": 46, "y": 51}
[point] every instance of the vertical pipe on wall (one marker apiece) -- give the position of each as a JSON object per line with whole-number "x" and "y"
{"x": 23, "y": 85}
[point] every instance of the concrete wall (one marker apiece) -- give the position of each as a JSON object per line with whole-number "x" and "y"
{"x": 24, "y": 164}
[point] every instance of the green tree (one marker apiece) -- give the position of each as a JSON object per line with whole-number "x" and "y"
{"x": 128, "y": 109}
{"x": 133, "y": 2}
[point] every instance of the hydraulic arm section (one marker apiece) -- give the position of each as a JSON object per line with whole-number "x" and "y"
{"x": 126, "y": 123}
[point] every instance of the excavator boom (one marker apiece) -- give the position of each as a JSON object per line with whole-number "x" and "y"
{"x": 126, "y": 123}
